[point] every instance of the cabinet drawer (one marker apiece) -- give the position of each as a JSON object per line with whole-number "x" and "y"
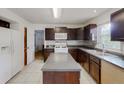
{"x": 95, "y": 59}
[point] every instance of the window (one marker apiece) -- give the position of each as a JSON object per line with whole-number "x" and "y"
{"x": 104, "y": 37}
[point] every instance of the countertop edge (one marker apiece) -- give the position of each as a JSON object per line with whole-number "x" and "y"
{"x": 102, "y": 58}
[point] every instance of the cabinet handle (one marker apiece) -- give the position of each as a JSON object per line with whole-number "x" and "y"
{"x": 4, "y": 47}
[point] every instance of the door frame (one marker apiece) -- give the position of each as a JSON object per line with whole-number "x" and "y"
{"x": 25, "y": 46}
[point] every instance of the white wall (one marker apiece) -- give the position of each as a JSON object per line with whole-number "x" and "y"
{"x": 104, "y": 18}
{"x": 17, "y": 23}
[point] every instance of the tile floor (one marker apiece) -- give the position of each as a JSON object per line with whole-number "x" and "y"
{"x": 32, "y": 74}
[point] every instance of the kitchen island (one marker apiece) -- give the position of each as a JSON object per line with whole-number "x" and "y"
{"x": 61, "y": 68}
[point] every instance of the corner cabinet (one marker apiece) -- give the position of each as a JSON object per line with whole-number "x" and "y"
{"x": 117, "y": 25}
{"x": 79, "y": 33}
{"x": 71, "y": 33}
{"x": 88, "y": 31}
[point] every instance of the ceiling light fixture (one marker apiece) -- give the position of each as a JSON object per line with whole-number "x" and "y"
{"x": 94, "y": 11}
{"x": 56, "y": 12}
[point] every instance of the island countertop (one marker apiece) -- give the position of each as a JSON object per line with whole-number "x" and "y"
{"x": 61, "y": 62}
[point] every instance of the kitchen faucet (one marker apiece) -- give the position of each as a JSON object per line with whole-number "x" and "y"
{"x": 103, "y": 49}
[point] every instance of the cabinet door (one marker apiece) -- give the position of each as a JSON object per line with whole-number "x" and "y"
{"x": 73, "y": 53}
{"x": 117, "y": 26}
{"x": 88, "y": 31}
{"x": 49, "y": 34}
{"x": 86, "y": 65}
{"x": 85, "y": 61}
{"x": 60, "y": 30}
{"x": 71, "y": 34}
{"x": 95, "y": 71}
{"x": 4, "y": 24}
{"x": 16, "y": 52}
{"x": 111, "y": 74}
{"x": 47, "y": 53}
{"x": 5, "y": 55}
{"x": 79, "y": 56}
{"x": 79, "y": 34}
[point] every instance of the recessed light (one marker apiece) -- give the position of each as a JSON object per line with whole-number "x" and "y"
{"x": 94, "y": 11}
{"x": 56, "y": 12}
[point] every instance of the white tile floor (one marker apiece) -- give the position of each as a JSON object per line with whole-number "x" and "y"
{"x": 32, "y": 74}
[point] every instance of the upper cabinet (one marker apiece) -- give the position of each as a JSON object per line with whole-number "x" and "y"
{"x": 49, "y": 34}
{"x": 88, "y": 31}
{"x": 71, "y": 33}
{"x": 79, "y": 34}
{"x": 60, "y": 30}
{"x": 4, "y": 24}
{"x": 117, "y": 25}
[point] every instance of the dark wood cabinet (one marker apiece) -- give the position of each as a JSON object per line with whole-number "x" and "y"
{"x": 87, "y": 31}
{"x": 85, "y": 60}
{"x": 117, "y": 25}
{"x": 75, "y": 33}
{"x": 79, "y": 56}
{"x": 47, "y": 53}
{"x": 71, "y": 33}
{"x": 86, "y": 63}
{"x": 79, "y": 34}
{"x": 90, "y": 63}
{"x": 60, "y": 30}
{"x": 73, "y": 53}
{"x": 59, "y": 77}
{"x": 95, "y": 68}
{"x": 49, "y": 34}
{"x": 4, "y": 24}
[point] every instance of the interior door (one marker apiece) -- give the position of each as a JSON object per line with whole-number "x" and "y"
{"x": 5, "y": 55}
{"x": 25, "y": 46}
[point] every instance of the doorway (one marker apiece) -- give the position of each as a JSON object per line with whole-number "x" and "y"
{"x": 39, "y": 44}
{"x": 25, "y": 46}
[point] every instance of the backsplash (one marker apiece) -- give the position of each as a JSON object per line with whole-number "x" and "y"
{"x": 71, "y": 43}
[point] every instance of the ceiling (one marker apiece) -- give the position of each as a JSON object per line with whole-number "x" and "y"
{"x": 68, "y": 15}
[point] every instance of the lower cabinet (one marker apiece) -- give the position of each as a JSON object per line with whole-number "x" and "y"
{"x": 47, "y": 53}
{"x": 85, "y": 60}
{"x": 73, "y": 53}
{"x": 95, "y": 69}
{"x": 91, "y": 64}
{"x": 111, "y": 74}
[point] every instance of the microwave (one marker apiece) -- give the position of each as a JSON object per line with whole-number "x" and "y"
{"x": 59, "y": 36}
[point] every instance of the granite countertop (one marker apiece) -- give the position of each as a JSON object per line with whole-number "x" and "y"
{"x": 111, "y": 58}
{"x": 61, "y": 62}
